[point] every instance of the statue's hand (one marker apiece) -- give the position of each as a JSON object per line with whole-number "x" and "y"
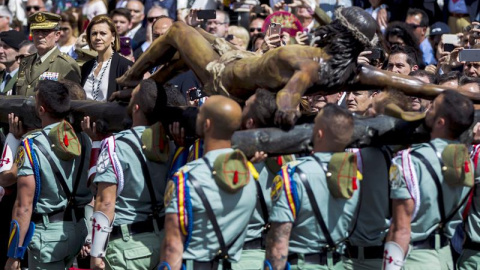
{"x": 286, "y": 119}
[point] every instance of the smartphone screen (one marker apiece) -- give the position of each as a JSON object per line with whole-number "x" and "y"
{"x": 275, "y": 28}
{"x": 448, "y": 47}
{"x": 450, "y": 39}
{"x": 207, "y": 14}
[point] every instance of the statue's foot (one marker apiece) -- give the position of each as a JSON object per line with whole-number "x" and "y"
{"x": 286, "y": 119}
{"x": 128, "y": 80}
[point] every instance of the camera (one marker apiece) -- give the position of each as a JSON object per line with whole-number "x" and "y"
{"x": 195, "y": 93}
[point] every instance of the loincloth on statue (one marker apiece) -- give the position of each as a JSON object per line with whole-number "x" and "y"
{"x": 217, "y": 67}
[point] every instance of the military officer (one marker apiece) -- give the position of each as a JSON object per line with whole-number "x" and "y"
{"x": 9, "y": 46}
{"x": 44, "y": 218}
{"x": 258, "y": 112}
{"x": 131, "y": 183}
{"x": 209, "y": 201}
{"x": 429, "y": 186}
{"x": 311, "y": 215}
{"x": 48, "y": 63}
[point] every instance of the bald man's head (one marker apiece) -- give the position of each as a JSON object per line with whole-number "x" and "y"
{"x": 333, "y": 128}
{"x": 218, "y": 118}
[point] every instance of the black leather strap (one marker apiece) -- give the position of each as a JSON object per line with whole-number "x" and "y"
{"x": 441, "y": 205}
{"x": 156, "y": 208}
{"x": 263, "y": 204}
{"x": 316, "y": 210}
{"x": 223, "y": 252}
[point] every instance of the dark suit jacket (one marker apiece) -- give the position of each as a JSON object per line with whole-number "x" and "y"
{"x": 139, "y": 38}
{"x": 118, "y": 67}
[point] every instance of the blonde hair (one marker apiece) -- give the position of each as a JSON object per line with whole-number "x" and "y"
{"x": 241, "y": 33}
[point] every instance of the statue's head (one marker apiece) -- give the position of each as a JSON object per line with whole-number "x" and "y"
{"x": 359, "y": 23}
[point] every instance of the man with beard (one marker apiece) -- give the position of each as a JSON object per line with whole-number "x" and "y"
{"x": 9, "y": 46}
{"x": 131, "y": 173}
{"x": 209, "y": 201}
{"x": 218, "y": 26}
{"x": 428, "y": 184}
{"x": 420, "y": 104}
{"x": 48, "y": 63}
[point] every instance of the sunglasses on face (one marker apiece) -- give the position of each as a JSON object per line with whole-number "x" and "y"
{"x": 21, "y": 56}
{"x": 64, "y": 29}
{"x": 414, "y": 26}
{"x": 35, "y": 8}
{"x": 152, "y": 19}
{"x": 252, "y": 29}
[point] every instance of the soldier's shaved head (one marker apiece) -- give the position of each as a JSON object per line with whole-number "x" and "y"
{"x": 336, "y": 126}
{"x": 219, "y": 117}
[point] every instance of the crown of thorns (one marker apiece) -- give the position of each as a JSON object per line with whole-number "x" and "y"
{"x": 356, "y": 33}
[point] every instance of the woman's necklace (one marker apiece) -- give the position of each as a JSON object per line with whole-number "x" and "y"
{"x": 102, "y": 69}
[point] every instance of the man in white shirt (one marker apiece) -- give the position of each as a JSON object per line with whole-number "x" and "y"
{"x": 138, "y": 32}
{"x": 5, "y": 18}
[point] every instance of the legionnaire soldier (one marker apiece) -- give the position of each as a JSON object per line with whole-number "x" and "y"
{"x": 258, "y": 112}
{"x": 364, "y": 248}
{"x": 48, "y": 63}
{"x": 9, "y": 46}
{"x": 429, "y": 186}
{"x": 49, "y": 163}
{"x": 209, "y": 201}
{"x": 311, "y": 214}
{"x": 131, "y": 176}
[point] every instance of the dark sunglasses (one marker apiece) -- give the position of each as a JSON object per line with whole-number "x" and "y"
{"x": 252, "y": 29}
{"x": 414, "y": 26}
{"x": 21, "y": 56}
{"x": 36, "y": 8}
{"x": 64, "y": 29}
{"x": 152, "y": 19}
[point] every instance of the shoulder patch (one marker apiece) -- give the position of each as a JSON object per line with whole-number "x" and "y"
{"x": 277, "y": 188}
{"x": 394, "y": 176}
{"x": 167, "y": 198}
{"x": 294, "y": 163}
{"x": 20, "y": 156}
{"x": 103, "y": 161}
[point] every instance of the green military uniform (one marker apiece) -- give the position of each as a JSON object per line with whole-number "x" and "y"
{"x": 127, "y": 249}
{"x": 430, "y": 250}
{"x": 10, "y": 87}
{"x": 232, "y": 210}
{"x": 253, "y": 253}
{"x": 470, "y": 258}
{"x": 307, "y": 239}
{"x": 365, "y": 245}
{"x": 54, "y": 65}
{"x": 55, "y": 242}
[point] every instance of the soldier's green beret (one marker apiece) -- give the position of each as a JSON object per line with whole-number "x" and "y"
{"x": 65, "y": 143}
{"x": 43, "y": 20}
{"x": 231, "y": 172}
{"x": 457, "y": 169}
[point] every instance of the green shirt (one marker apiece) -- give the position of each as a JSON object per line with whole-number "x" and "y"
{"x": 307, "y": 236}
{"x": 52, "y": 197}
{"x": 233, "y": 212}
{"x": 134, "y": 202}
{"x": 428, "y": 217}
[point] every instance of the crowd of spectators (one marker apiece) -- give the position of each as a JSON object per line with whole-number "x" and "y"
{"x": 412, "y": 40}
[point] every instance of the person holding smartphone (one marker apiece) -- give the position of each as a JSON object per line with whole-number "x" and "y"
{"x": 99, "y": 74}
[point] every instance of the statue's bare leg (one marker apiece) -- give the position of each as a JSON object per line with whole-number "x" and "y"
{"x": 193, "y": 48}
{"x": 168, "y": 71}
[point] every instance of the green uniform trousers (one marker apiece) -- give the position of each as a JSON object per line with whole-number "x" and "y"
{"x": 252, "y": 259}
{"x": 55, "y": 245}
{"x": 420, "y": 259}
{"x": 138, "y": 251}
{"x": 470, "y": 259}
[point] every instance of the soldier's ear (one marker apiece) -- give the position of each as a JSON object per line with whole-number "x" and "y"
{"x": 320, "y": 133}
{"x": 41, "y": 110}
{"x": 250, "y": 124}
{"x": 206, "y": 125}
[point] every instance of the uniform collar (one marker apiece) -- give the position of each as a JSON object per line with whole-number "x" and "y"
{"x": 217, "y": 152}
{"x": 45, "y": 56}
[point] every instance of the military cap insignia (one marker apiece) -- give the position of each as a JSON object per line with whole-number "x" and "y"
{"x": 277, "y": 187}
{"x": 20, "y": 157}
{"x": 169, "y": 193}
{"x": 102, "y": 162}
{"x": 39, "y": 18}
